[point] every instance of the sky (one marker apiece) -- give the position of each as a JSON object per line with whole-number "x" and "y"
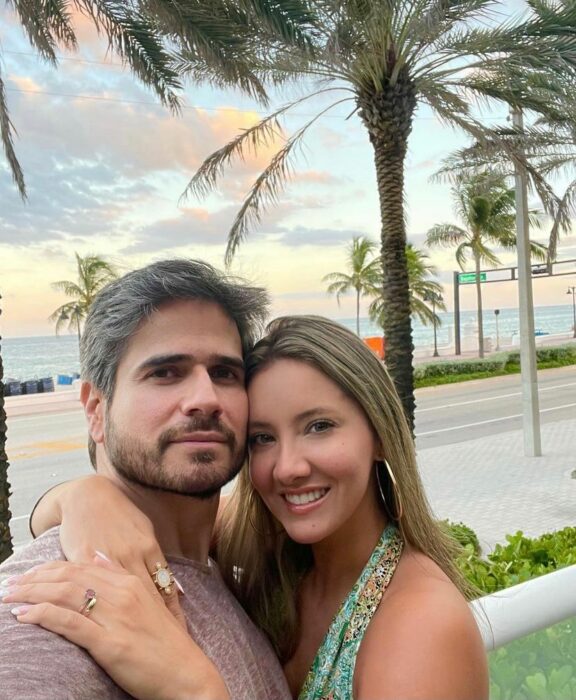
{"x": 106, "y": 166}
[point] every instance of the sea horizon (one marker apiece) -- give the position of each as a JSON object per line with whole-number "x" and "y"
{"x": 38, "y": 356}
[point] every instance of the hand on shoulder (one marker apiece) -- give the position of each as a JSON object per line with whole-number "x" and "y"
{"x": 422, "y": 643}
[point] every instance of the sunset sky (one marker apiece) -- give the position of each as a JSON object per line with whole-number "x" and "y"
{"x": 105, "y": 167}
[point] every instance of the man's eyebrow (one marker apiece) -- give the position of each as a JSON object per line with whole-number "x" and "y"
{"x": 229, "y": 360}
{"x": 161, "y": 360}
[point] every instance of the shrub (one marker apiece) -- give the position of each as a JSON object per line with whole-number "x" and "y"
{"x": 541, "y": 666}
{"x": 502, "y": 363}
{"x": 463, "y": 534}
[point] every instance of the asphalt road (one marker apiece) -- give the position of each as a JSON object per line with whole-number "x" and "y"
{"x": 49, "y": 446}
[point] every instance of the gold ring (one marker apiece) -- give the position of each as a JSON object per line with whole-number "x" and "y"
{"x": 90, "y": 601}
{"x": 163, "y": 578}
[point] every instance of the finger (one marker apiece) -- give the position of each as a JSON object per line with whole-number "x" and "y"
{"x": 72, "y": 625}
{"x": 67, "y": 595}
{"x": 83, "y": 575}
{"x": 172, "y": 602}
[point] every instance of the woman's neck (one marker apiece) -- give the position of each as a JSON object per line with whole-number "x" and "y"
{"x": 340, "y": 558}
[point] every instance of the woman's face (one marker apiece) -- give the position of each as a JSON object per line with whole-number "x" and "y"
{"x": 312, "y": 451}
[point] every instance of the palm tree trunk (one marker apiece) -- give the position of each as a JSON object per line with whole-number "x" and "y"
{"x": 5, "y": 515}
{"x": 358, "y": 312}
{"x": 388, "y": 118}
{"x": 479, "y": 308}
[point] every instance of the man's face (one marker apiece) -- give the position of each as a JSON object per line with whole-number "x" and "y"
{"x": 177, "y": 420}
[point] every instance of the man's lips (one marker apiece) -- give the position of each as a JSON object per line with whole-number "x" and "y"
{"x": 200, "y": 437}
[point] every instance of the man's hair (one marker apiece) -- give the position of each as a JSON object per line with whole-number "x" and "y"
{"x": 119, "y": 309}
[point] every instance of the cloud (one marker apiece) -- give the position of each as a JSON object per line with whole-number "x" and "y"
{"x": 191, "y": 227}
{"x": 303, "y": 236}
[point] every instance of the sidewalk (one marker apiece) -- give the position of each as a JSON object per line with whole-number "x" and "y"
{"x": 491, "y": 486}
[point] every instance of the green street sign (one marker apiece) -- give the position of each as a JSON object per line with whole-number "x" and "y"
{"x": 470, "y": 277}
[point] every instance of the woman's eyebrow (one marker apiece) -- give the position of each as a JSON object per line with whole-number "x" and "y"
{"x": 305, "y": 415}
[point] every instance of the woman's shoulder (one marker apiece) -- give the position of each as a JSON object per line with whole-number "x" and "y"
{"x": 423, "y": 641}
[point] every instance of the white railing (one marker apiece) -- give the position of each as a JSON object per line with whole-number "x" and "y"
{"x": 528, "y": 607}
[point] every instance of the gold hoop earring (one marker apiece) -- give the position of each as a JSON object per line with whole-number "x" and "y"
{"x": 398, "y": 511}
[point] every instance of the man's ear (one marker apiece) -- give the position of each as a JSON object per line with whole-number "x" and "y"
{"x": 94, "y": 407}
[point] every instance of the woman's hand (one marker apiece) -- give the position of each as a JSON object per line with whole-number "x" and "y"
{"x": 129, "y": 632}
{"x": 98, "y": 518}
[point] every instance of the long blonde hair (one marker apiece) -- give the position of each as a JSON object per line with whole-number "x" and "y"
{"x": 259, "y": 562}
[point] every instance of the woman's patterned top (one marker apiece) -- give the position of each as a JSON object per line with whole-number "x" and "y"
{"x": 331, "y": 675}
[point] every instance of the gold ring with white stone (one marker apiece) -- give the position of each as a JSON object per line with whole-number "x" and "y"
{"x": 163, "y": 578}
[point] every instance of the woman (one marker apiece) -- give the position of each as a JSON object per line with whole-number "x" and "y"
{"x": 327, "y": 540}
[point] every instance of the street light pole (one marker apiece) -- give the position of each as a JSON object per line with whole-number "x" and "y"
{"x": 528, "y": 365}
{"x": 572, "y": 291}
{"x": 497, "y": 313}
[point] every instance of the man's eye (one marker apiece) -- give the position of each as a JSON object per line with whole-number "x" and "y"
{"x": 163, "y": 373}
{"x": 260, "y": 439}
{"x": 225, "y": 373}
{"x": 320, "y": 426}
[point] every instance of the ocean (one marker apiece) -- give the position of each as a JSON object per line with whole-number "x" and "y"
{"x": 47, "y": 356}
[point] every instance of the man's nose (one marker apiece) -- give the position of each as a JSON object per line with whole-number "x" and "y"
{"x": 290, "y": 465}
{"x": 200, "y": 395}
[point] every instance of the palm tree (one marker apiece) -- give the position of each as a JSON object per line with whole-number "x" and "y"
{"x": 423, "y": 290}
{"x": 486, "y": 207}
{"x": 363, "y": 277}
{"x": 549, "y": 148}
{"x": 385, "y": 57}
{"x": 5, "y": 515}
{"x": 93, "y": 274}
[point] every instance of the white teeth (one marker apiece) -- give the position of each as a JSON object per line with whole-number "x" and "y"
{"x": 301, "y": 499}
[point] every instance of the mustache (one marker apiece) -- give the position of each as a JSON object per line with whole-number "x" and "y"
{"x": 197, "y": 424}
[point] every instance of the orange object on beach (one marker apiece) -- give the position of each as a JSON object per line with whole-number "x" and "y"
{"x": 377, "y": 343}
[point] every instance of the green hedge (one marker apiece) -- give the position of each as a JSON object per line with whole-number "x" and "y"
{"x": 541, "y": 666}
{"x": 500, "y": 363}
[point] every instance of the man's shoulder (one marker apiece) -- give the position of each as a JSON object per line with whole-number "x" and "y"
{"x": 39, "y": 665}
{"x": 44, "y": 548}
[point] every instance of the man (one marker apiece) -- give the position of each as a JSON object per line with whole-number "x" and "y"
{"x": 163, "y": 392}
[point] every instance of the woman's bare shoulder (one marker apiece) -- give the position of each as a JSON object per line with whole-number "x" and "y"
{"x": 422, "y": 642}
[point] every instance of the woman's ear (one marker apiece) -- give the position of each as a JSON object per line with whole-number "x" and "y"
{"x": 94, "y": 408}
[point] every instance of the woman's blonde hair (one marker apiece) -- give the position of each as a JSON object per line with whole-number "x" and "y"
{"x": 259, "y": 562}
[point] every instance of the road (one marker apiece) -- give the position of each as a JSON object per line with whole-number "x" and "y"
{"x": 49, "y": 447}
{"x": 454, "y": 413}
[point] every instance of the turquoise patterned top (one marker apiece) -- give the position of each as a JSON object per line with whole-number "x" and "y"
{"x": 331, "y": 675}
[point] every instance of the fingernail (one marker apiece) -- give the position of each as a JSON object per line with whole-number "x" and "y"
{"x": 20, "y": 610}
{"x": 10, "y": 580}
{"x": 178, "y": 586}
{"x": 102, "y": 555}
{"x": 7, "y": 591}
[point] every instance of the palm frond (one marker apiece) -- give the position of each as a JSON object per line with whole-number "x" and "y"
{"x": 134, "y": 38}
{"x": 445, "y": 235}
{"x": 267, "y": 187}
{"x": 262, "y": 134}
{"x": 7, "y": 133}
{"x": 46, "y": 24}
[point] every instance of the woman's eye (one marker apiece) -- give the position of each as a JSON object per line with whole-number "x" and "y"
{"x": 260, "y": 439}
{"x": 320, "y": 426}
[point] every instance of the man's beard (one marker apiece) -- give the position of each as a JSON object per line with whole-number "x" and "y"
{"x": 197, "y": 475}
